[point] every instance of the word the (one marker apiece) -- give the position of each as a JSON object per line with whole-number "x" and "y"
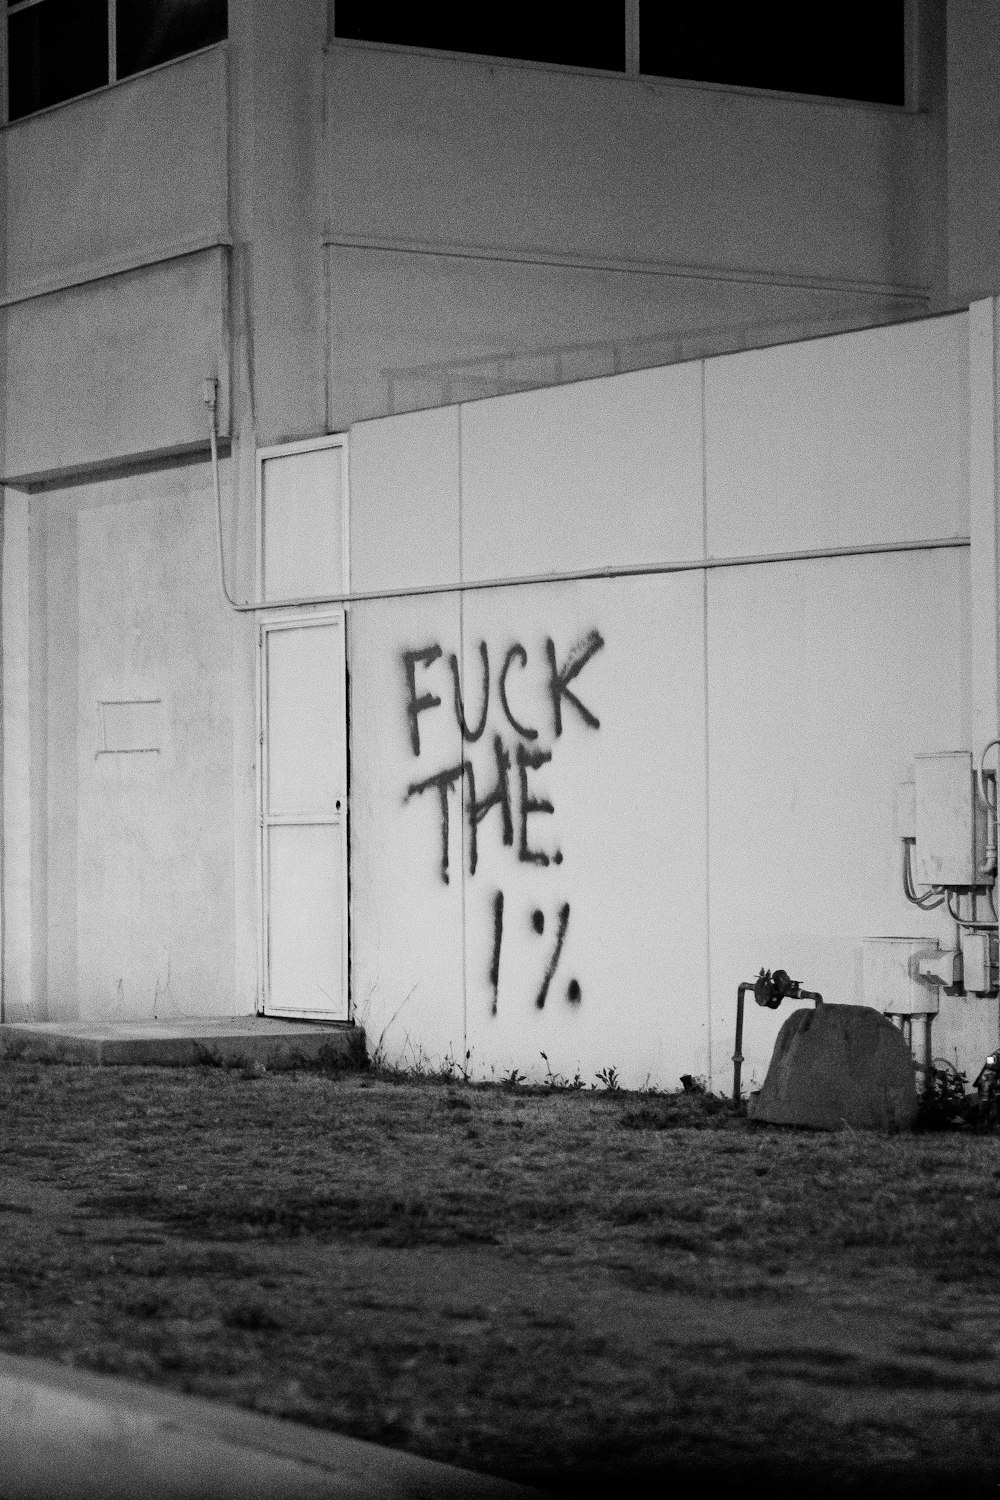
{"x": 499, "y": 797}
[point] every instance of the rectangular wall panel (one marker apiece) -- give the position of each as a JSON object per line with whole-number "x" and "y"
{"x": 115, "y": 368}
{"x": 305, "y": 938}
{"x": 128, "y": 174}
{"x": 302, "y": 501}
{"x": 854, "y": 439}
{"x": 824, "y": 679}
{"x": 583, "y": 476}
{"x": 406, "y": 921}
{"x": 484, "y": 154}
{"x": 306, "y": 764}
{"x": 140, "y": 843}
{"x": 405, "y": 477}
{"x": 585, "y": 932}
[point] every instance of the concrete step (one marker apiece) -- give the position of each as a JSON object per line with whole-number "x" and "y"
{"x": 229, "y": 1042}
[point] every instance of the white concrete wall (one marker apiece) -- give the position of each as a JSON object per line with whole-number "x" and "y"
{"x": 279, "y": 315}
{"x": 531, "y": 225}
{"x": 119, "y": 876}
{"x": 114, "y": 278}
{"x": 112, "y": 370}
{"x": 485, "y": 153}
{"x": 127, "y": 176}
{"x": 734, "y": 807}
{"x": 406, "y": 935}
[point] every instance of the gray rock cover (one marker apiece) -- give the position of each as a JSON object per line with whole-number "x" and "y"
{"x": 836, "y": 1066}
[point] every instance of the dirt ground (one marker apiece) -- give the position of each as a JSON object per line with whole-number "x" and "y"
{"x": 572, "y": 1289}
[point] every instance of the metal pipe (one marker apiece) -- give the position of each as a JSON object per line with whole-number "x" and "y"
{"x": 809, "y": 995}
{"x": 933, "y": 897}
{"x": 747, "y": 984}
{"x": 211, "y": 399}
{"x": 567, "y": 575}
{"x": 583, "y": 575}
{"x": 961, "y": 921}
{"x": 989, "y": 864}
{"x": 765, "y": 994}
{"x": 919, "y": 1043}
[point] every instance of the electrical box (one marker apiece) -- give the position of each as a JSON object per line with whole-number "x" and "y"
{"x": 891, "y": 978}
{"x": 950, "y": 836}
{"x": 976, "y": 966}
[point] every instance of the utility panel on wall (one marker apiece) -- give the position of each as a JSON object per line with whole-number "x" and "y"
{"x": 950, "y": 839}
{"x": 302, "y": 511}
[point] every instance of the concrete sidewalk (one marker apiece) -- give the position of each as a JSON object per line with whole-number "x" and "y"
{"x": 70, "y": 1435}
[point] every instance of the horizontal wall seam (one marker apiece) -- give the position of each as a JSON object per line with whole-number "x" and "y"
{"x": 115, "y": 466}
{"x": 680, "y": 270}
{"x": 615, "y": 570}
{"x": 110, "y": 269}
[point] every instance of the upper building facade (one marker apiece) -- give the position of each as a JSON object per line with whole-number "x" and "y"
{"x": 346, "y": 228}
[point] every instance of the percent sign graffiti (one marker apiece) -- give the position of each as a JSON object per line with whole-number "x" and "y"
{"x": 538, "y": 923}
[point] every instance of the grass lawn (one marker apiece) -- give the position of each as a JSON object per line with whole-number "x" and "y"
{"x": 565, "y": 1288}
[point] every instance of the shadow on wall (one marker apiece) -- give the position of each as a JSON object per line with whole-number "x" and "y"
{"x": 447, "y": 382}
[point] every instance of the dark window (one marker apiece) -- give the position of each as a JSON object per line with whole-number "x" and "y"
{"x": 154, "y": 31}
{"x": 848, "y": 49}
{"x": 574, "y": 32}
{"x": 55, "y": 49}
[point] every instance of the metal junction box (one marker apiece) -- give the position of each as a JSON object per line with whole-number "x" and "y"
{"x": 950, "y": 837}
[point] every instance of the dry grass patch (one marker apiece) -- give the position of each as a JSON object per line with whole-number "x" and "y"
{"x": 548, "y": 1285}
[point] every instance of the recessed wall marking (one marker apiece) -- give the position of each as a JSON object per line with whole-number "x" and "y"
{"x": 129, "y": 726}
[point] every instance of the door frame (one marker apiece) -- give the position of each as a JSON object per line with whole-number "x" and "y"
{"x": 297, "y": 620}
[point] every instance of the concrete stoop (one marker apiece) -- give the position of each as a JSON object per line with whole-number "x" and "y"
{"x": 235, "y": 1042}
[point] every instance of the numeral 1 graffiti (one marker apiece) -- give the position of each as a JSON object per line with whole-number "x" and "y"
{"x": 497, "y": 941}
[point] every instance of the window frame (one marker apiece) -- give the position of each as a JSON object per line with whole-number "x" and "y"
{"x": 14, "y": 7}
{"x": 492, "y": 58}
{"x": 632, "y": 74}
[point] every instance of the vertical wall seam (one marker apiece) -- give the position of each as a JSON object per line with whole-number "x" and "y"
{"x": 705, "y": 709}
{"x": 994, "y": 393}
{"x": 327, "y": 341}
{"x": 3, "y": 778}
{"x": 461, "y": 746}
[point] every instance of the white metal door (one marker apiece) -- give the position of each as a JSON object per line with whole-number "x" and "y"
{"x": 304, "y": 817}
